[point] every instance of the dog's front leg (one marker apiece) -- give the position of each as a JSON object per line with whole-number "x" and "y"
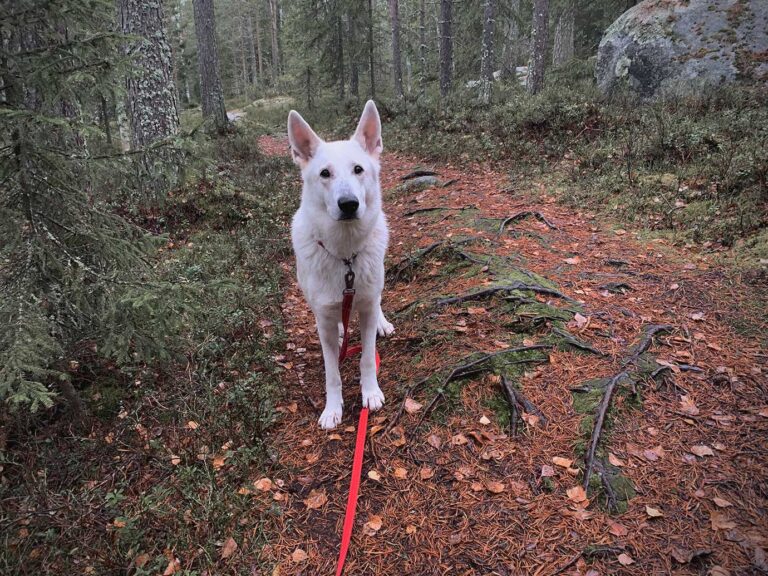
{"x": 328, "y": 330}
{"x": 373, "y": 397}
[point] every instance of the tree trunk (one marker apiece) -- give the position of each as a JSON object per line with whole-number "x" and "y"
{"x": 105, "y": 120}
{"x": 371, "y": 49}
{"x": 340, "y": 55}
{"x": 486, "y": 55}
{"x": 274, "y": 15}
{"x": 397, "y": 67}
{"x": 423, "y": 46}
{"x": 258, "y": 42}
{"x": 150, "y": 93}
{"x": 511, "y": 51}
{"x": 562, "y": 52}
{"x": 539, "y": 40}
{"x": 446, "y": 47}
{"x": 309, "y": 88}
{"x": 211, "y": 94}
{"x": 252, "y": 48}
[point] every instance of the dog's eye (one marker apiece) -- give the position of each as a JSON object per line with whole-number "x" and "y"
{"x": 325, "y": 173}
{"x": 358, "y": 169}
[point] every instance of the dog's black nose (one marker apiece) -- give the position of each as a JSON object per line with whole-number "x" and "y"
{"x": 348, "y": 206}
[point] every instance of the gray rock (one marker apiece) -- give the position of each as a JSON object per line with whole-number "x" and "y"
{"x": 419, "y": 183}
{"x": 681, "y": 47}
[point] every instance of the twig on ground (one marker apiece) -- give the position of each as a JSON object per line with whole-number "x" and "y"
{"x": 411, "y": 389}
{"x": 480, "y": 294}
{"x": 598, "y": 428}
{"x": 524, "y": 214}
{"x": 610, "y": 493}
{"x": 451, "y": 181}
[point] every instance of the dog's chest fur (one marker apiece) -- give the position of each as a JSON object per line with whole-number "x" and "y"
{"x": 320, "y": 268}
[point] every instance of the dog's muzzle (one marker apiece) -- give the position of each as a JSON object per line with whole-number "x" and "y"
{"x": 348, "y": 207}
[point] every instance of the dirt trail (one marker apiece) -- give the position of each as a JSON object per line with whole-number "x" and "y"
{"x": 459, "y": 494}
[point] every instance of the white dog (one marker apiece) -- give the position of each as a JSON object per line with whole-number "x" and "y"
{"x": 340, "y": 219}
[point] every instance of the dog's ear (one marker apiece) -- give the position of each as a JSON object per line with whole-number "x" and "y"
{"x": 303, "y": 140}
{"x": 368, "y": 133}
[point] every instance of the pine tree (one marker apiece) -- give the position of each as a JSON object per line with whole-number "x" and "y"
{"x": 486, "y": 54}
{"x": 211, "y": 92}
{"x": 446, "y": 47}
{"x": 539, "y": 42}
{"x": 74, "y": 276}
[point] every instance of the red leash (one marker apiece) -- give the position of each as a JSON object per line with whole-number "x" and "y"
{"x": 362, "y": 424}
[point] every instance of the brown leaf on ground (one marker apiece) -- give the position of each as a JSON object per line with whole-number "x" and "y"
{"x": 373, "y": 525}
{"x": 495, "y": 487}
{"x": 625, "y": 559}
{"x": 299, "y": 556}
{"x": 576, "y": 494}
{"x": 434, "y": 441}
{"x": 721, "y": 521}
{"x": 316, "y": 499}
{"x": 653, "y": 512}
{"x": 228, "y": 548}
{"x": 617, "y": 529}
{"x": 702, "y": 450}
{"x": 411, "y": 406}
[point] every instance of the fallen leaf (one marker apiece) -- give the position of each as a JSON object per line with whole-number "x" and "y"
{"x": 316, "y": 499}
{"x": 562, "y": 462}
{"x": 400, "y": 473}
{"x": 299, "y": 556}
{"x": 687, "y": 406}
{"x": 702, "y": 450}
{"x": 494, "y": 487}
{"x": 619, "y": 232}
{"x": 426, "y": 472}
{"x": 174, "y": 565}
{"x": 192, "y": 425}
{"x": 697, "y": 316}
{"x": 573, "y": 261}
{"x": 720, "y": 521}
{"x": 372, "y": 526}
{"x": 617, "y": 529}
{"x": 615, "y": 460}
{"x": 625, "y": 559}
{"x": 410, "y": 529}
{"x": 411, "y": 406}
{"x": 263, "y": 484}
{"x": 141, "y": 560}
{"x": 684, "y": 556}
{"x": 531, "y": 419}
{"x": 721, "y": 502}
{"x": 175, "y": 460}
{"x": 475, "y": 310}
{"x": 218, "y": 462}
{"x": 576, "y": 494}
{"x": 547, "y": 471}
{"x": 459, "y": 440}
{"x": 718, "y": 571}
{"x": 373, "y": 475}
{"x": 229, "y": 548}
{"x": 484, "y": 420}
{"x": 476, "y": 486}
{"x": 334, "y": 436}
{"x": 653, "y": 512}
{"x": 434, "y": 441}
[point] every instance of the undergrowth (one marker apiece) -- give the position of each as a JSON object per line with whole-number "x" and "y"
{"x": 152, "y": 473}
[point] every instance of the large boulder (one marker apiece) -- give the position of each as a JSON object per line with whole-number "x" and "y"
{"x": 679, "y": 47}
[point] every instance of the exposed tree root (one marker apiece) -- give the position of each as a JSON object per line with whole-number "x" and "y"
{"x": 575, "y": 342}
{"x": 645, "y": 341}
{"x": 480, "y": 294}
{"x": 598, "y": 428}
{"x": 519, "y": 404}
{"x": 524, "y": 214}
{"x": 617, "y": 287}
{"x": 436, "y": 208}
{"x": 477, "y": 366}
{"x": 418, "y": 174}
{"x": 395, "y": 272}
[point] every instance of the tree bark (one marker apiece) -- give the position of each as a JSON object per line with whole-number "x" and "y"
{"x": 397, "y": 67}
{"x": 252, "y": 48}
{"x": 354, "y": 68}
{"x": 211, "y": 93}
{"x": 423, "y": 45}
{"x": 259, "y": 56}
{"x": 340, "y": 55}
{"x": 150, "y": 93}
{"x": 446, "y": 47}
{"x": 371, "y": 49}
{"x": 486, "y": 55}
{"x": 274, "y": 16}
{"x": 562, "y": 51}
{"x": 511, "y": 51}
{"x": 539, "y": 41}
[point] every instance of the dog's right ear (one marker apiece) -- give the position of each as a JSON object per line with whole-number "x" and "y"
{"x": 303, "y": 140}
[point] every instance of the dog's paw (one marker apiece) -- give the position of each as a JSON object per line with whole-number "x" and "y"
{"x": 373, "y": 399}
{"x": 384, "y": 327}
{"x": 330, "y": 417}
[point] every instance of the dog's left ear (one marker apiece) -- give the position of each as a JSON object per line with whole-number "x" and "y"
{"x": 368, "y": 133}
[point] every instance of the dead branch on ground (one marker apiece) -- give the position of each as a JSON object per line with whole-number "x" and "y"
{"x": 487, "y": 292}
{"x": 524, "y": 214}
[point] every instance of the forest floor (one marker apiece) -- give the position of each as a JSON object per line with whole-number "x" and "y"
{"x": 454, "y": 482}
